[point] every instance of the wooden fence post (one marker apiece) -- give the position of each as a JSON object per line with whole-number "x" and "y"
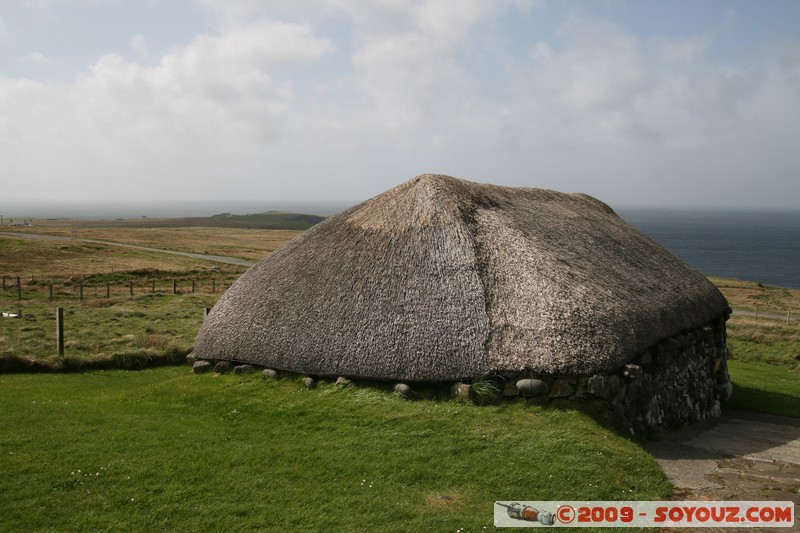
{"x": 130, "y": 283}
{"x": 153, "y": 290}
{"x": 192, "y": 285}
{"x": 4, "y": 283}
{"x": 19, "y": 289}
{"x": 108, "y": 291}
{"x": 81, "y": 291}
{"x": 60, "y": 330}
{"x": 51, "y": 292}
{"x": 174, "y": 286}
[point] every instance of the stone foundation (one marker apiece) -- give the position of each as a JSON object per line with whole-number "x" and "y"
{"x": 680, "y": 380}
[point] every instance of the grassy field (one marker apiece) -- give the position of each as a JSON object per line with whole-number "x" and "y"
{"x": 749, "y": 296}
{"x": 251, "y": 245}
{"x": 764, "y": 352}
{"x": 145, "y": 328}
{"x": 163, "y": 449}
{"x": 54, "y": 260}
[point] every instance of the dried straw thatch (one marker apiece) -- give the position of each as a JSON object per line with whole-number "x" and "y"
{"x": 442, "y": 279}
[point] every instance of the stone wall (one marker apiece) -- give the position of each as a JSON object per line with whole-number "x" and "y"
{"x": 680, "y": 380}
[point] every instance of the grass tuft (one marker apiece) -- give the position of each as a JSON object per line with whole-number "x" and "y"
{"x": 486, "y": 390}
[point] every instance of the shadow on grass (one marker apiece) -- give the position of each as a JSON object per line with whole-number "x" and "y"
{"x": 123, "y": 361}
{"x": 762, "y": 401}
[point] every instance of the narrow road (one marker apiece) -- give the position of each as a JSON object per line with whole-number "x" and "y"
{"x": 214, "y": 258}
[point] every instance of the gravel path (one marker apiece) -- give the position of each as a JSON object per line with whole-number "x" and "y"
{"x": 740, "y": 456}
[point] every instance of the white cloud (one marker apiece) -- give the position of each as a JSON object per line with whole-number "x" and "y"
{"x": 38, "y": 5}
{"x": 574, "y": 93}
{"x": 182, "y": 119}
{"x": 139, "y": 45}
{"x": 35, "y": 58}
{"x": 687, "y": 50}
{"x": 787, "y": 54}
{"x": 625, "y": 118}
{"x": 408, "y": 63}
{"x": 530, "y": 6}
{"x": 599, "y": 85}
{"x": 359, "y": 96}
{"x": 586, "y": 76}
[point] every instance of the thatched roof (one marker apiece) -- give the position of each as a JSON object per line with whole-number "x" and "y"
{"x": 442, "y": 279}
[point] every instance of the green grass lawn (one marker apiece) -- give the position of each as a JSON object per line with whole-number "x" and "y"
{"x": 163, "y": 449}
{"x": 765, "y": 365}
{"x": 765, "y": 388}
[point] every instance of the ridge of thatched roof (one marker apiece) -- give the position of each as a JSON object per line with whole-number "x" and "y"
{"x": 442, "y": 279}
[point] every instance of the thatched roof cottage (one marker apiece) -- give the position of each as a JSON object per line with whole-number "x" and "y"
{"x": 440, "y": 279}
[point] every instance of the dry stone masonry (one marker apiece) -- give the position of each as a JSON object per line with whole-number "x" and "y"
{"x": 682, "y": 379}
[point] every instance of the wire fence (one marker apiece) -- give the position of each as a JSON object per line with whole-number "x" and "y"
{"x": 762, "y": 313}
{"x": 19, "y": 289}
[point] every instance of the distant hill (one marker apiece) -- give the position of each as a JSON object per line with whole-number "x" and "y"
{"x": 267, "y": 220}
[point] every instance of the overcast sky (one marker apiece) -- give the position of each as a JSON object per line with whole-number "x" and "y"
{"x": 679, "y": 103}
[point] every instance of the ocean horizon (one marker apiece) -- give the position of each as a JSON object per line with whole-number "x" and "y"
{"x": 760, "y": 246}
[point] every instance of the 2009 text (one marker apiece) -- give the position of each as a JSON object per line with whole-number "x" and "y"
{"x": 644, "y": 514}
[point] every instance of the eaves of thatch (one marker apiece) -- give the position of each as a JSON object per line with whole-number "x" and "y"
{"x": 442, "y": 279}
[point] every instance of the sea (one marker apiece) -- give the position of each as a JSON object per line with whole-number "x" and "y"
{"x": 760, "y": 246}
